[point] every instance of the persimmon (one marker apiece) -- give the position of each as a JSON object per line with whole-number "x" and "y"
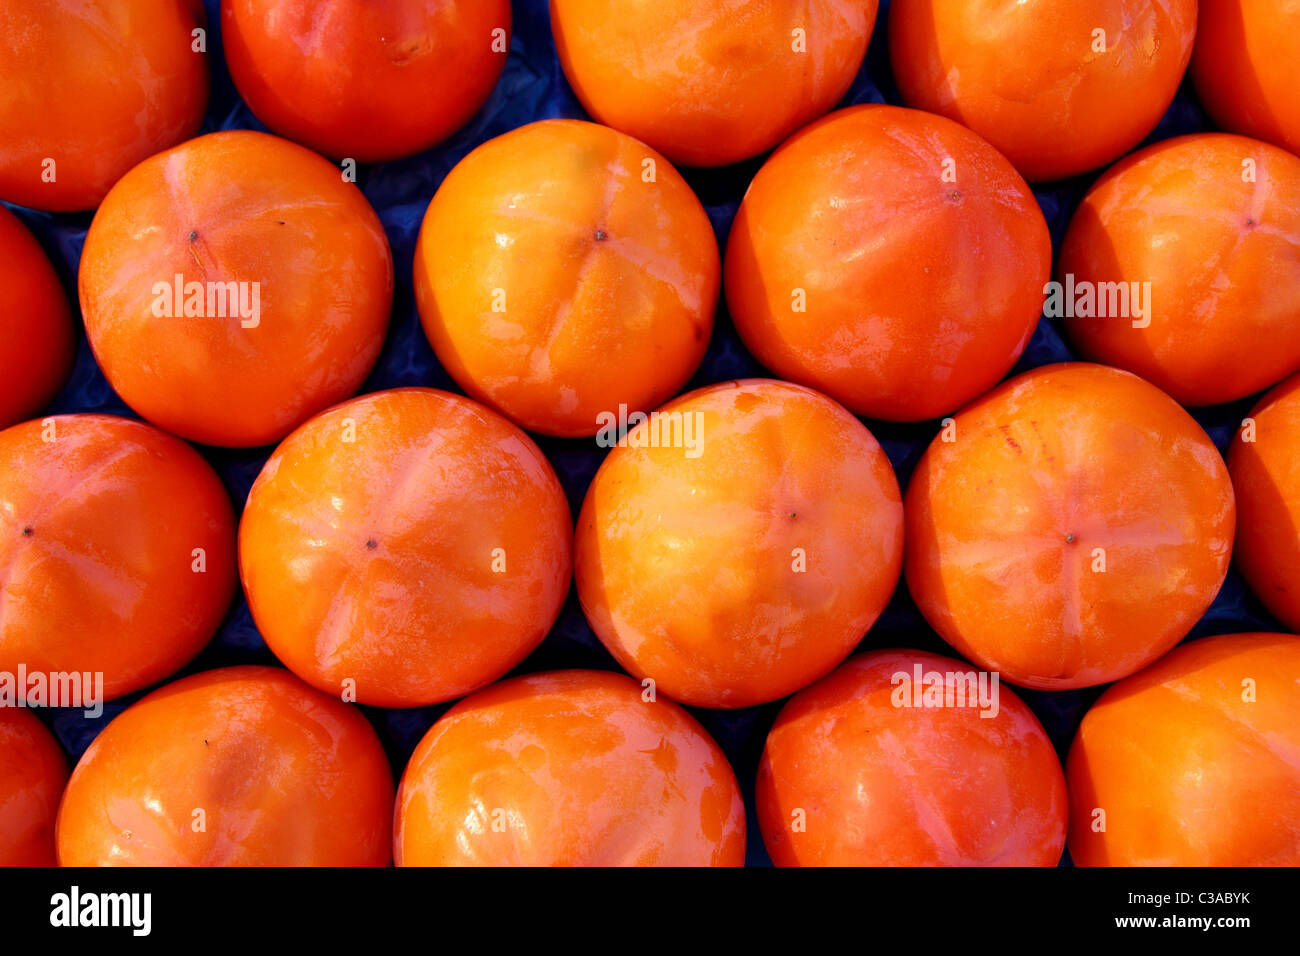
{"x": 563, "y": 270}
{"x": 117, "y": 550}
{"x": 89, "y": 88}
{"x": 407, "y": 547}
{"x": 1069, "y": 527}
{"x": 1206, "y": 230}
{"x": 1058, "y": 86}
{"x": 1244, "y": 67}
{"x": 1265, "y": 472}
{"x": 234, "y": 286}
{"x": 35, "y": 325}
{"x": 1191, "y": 762}
{"x": 369, "y": 81}
{"x": 242, "y": 766}
{"x": 706, "y": 82}
{"x": 570, "y": 768}
{"x": 738, "y": 544}
{"x": 33, "y": 771}
{"x": 891, "y": 259}
{"x": 866, "y": 768}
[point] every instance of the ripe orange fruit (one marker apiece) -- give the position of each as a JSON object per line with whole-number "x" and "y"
{"x": 856, "y": 773}
{"x": 35, "y": 325}
{"x": 243, "y": 766}
{"x": 368, "y": 81}
{"x": 89, "y": 88}
{"x": 708, "y": 82}
{"x": 1090, "y": 78}
{"x": 1068, "y": 528}
{"x": 286, "y": 265}
{"x": 1244, "y": 67}
{"x": 891, "y": 259}
{"x": 32, "y": 773}
{"x": 564, "y": 269}
{"x": 738, "y": 545}
{"x": 1212, "y": 223}
{"x": 117, "y": 550}
{"x": 410, "y": 542}
{"x": 1192, "y": 761}
{"x": 572, "y": 768}
{"x": 1266, "y": 477}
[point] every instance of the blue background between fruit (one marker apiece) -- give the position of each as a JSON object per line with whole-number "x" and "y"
{"x": 532, "y": 88}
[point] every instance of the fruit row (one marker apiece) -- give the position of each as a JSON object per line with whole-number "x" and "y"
{"x": 1063, "y": 530}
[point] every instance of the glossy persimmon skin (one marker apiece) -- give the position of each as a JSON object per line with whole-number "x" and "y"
{"x": 570, "y": 768}
{"x": 353, "y": 78}
{"x": 246, "y": 207}
{"x": 897, "y": 316}
{"x": 420, "y": 560}
{"x": 850, "y": 779}
{"x": 1244, "y": 66}
{"x": 1219, "y": 253}
{"x": 35, "y": 325}
{"x": 1188, "y": 770}
{"x": 97, "y": 86}
{"x": 1028, "y": 78}
{"x": 706, "y": 82}
{"x": 284, "y": 776}
{"x": 117, "y": 550}
{"x": 1265, "y": 470}
{"x": 1073, "y": 530}
{"x": 746, "y": 572}
{"x": 556, "y": 284}
{"x": 33, "y": 771}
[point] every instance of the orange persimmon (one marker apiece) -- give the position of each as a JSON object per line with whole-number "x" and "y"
{"x": 570, "y": 768}
{"x": 1059, "y": 86}
{"x": 408, "y": 546}
{"x": 370, "y": 81}
{"x": 890, "y": 258}
{"x": 563, "y": 270}
{"x": 89, "y": 88}
{"x": 1069, "y": 527}
{"x": 707, "y": 82}
{"x": 1205, "y": 229}
{"x": 35, "y": 325}
{"x": 859, "y": 770}
{"x": 242, "y": 766}
{"x": 738, "y": 544}
{"x": 1192, "y": 762}
{"x": 117, "y": 550}
{"x": 33, "y": 771}
{"x": 234, "y": 286}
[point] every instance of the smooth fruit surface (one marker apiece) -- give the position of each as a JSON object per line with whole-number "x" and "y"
{"x": 1244, "y": 66}
{"x": 280, "y": 309}
{"x": 117, "y": 550}
{"x": 1059, "y": 86}
{"x": 563, "y": 270}
{"x": 710, "y": 82}
{"x": 411, "y": 542}
{"x": 35, "y": 325}
{"x": 277, "y": 774}
{"x": 1265, "y": 469}
{"x": 32, "y": 773}
{"x": 739, "y": 544}
{"x": 571, "y": 768}
{"x": 89, "y": 88}
{"x": 891, "y": 259}
{"x": 1209, "y": 226}
{"x": 1192, "y": 761}
{"x": 852, "y": 776}
{"x": 1068, "y": 528}
{"x": 370, "y": 81}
